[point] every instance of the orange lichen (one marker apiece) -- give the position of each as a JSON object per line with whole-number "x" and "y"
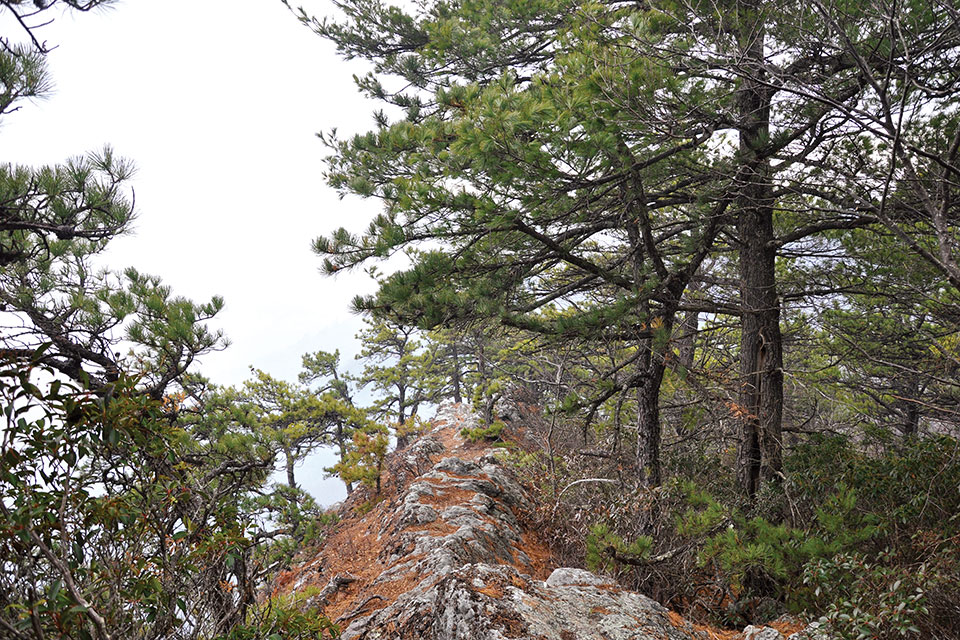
{"x": 491, "y": 590}
{"x": 435, "y": 528}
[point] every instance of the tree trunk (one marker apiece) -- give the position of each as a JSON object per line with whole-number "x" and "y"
{"x": 342, "y": 444}
{"x": 489, "y": 404}
{"x": 655, "y": 349}
{"x": 402, "y": 440}
{"x": 648, "y": 419}
{"x": 289, "y": 460}
{"x": 761, "y": 346}
{"x": 909, "y": 406}
{"x": 686, "y": 341}
{"x": 457, "y": 385}
{"x": 761, "y": 360}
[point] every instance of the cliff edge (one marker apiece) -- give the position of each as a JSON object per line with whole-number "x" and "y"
{"x": 443, "y": 553}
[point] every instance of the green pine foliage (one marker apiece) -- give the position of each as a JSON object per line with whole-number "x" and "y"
{"x": 491, "y": 432}
{"x": 871, "y": 555}
{"x": 601, "y": 543}
{"x": 364, "y": 459}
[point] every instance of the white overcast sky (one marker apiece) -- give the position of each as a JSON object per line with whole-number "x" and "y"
{"x": 217, "y": 102}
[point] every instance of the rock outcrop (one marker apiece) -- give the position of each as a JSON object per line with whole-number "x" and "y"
{"x": 443, "y": 553}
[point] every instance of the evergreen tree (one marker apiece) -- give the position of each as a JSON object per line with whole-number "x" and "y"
{"x": 53, "y": 222}
{"x": 323, "y": 368}
{"x": 596, "y": 168}
{"x": 448, "y": 355}
{"x": 298, "y": 420}
{"x": 126, "y": 484}
{"x": 398, "y": 368}
{"x": 609, "y": 219}
{"x": 893, "y": 337}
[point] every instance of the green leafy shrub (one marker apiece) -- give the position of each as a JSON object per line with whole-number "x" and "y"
{"x": 907, "y": 489}
{"x": 909, "y": 495}
{"x": 869, "y": 597}
{"x": 491, "y": 432}
{"x": 116, "y": 522}
{"x": 367, "y": 506}
{"x": 871, "y": 546}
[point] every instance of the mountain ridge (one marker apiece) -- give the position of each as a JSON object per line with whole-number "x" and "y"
{"x": 445, "y": 551}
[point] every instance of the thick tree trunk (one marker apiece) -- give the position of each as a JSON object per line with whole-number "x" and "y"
{"x": 761, "y": 354}
{"x": 648, "y": 418}
{"x": 761, "y": 346}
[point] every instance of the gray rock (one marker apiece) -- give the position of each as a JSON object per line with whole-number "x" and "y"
{"x": 412, "y": 461}
{"x": 494, "y": 602}
{"x": 489, "y": 457}
{"x": 761, "y": 633}
{"x": 414, "y": 514}
{"x": 456, "y": 466}
{"x": 568, "y": 576}
{"x": 814, "y": 631}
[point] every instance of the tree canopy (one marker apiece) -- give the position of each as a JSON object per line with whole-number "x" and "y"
{"x": 567, "y": 168}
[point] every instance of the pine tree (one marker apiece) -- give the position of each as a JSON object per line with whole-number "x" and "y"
{"x": 54, "y": 221}
{"x": 398, "y": 369}
{"x": 594, "y": 169}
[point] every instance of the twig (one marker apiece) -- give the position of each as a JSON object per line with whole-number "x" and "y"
{"x": 9, "y": 628}
{"x": 576, "y": 482}
{"x": 67, "y": 576}
{"x": 638, "y": 561}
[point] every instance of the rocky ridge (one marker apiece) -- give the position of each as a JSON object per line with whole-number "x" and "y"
{"x": 444, "y": 554}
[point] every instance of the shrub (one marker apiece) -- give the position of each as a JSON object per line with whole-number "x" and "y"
{"x": 872, "y": 546}
{"x": 601, "y": 542}
{"x": 286, "y": 618}
{"x": 491, "y": 432}
{"x": 862, "y": 597}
